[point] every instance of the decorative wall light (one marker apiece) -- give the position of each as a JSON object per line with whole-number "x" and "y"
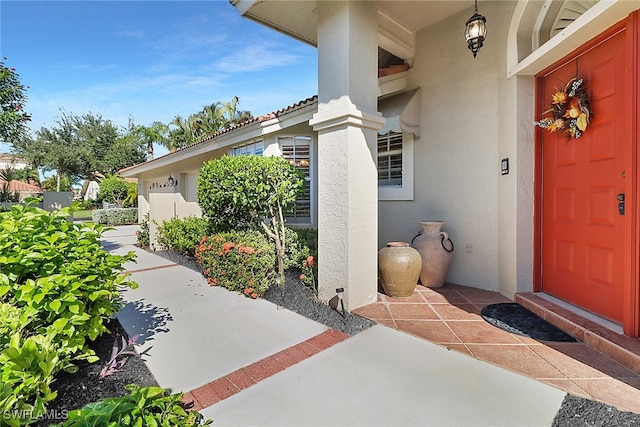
{"x": 170, "y": 181}
{"x": 476, "y": 31}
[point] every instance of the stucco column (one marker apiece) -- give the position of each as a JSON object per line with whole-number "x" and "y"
{"x": 143, "y": 199}
{"x": 346, "y": 123}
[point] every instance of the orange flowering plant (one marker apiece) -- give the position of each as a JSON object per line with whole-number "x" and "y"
{"x": 309, "y": 271}
{"x": 569, "y": 110}
{"x": 242, "y": 262}
{"x": 302, "y": 250}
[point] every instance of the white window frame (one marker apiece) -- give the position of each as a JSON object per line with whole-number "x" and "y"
{"x": 312, "y": 183}
{"x": 249, "y": 148}
{"x": 405, "y": 190}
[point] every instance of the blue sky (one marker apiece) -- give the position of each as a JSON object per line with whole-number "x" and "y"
{"x": 148, "y": 60}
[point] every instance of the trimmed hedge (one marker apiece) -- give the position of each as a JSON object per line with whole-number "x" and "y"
{"x": 116, "y": 216}
{"x": 182, "y": 234}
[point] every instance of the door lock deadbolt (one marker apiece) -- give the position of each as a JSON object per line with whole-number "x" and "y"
{"x": 620, "y": 198}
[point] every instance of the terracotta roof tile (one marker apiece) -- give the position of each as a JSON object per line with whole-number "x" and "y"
{"x": 21, "y": 187}
{"x": 275, "y": 114}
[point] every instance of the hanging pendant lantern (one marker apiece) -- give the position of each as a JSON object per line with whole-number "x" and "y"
{"x": 476, "y": 31}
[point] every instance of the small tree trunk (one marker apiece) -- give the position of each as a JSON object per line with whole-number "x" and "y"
{"x": 281, "y": 254}
{"x": 276, "y": 232}
{"x": 57, "y": 181}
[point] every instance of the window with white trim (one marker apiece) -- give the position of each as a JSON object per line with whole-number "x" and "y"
{"x": 395, "y": 166}
{"x": 390, "y": 159}
{"x": 297, "y": 150}
{"x": 255, "y": 148}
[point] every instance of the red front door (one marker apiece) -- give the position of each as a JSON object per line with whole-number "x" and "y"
{"x": 582, "y": 227}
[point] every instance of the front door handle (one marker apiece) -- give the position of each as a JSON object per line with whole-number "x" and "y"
{"x": 620, "y": 198}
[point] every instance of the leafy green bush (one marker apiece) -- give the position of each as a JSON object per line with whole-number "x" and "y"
{"x": 116, "y": 216}
{"x": 12, "y": 320}
{"x": 182, "y": 234}
{"x": 58, "y": 286}
{"x": 146, "y": 406}
{"x": 238, "y": 261}
{"x": 59, "y": 270}
{"x": 132, "y": 195}
{"x": 113, "y": 189}
{"x": 51, "y": 183}
{"x": 142, "y": 235}
{"x": 300, "y": 244}
{"x": 28, "y": 365}
{"x": 250, "y": 191}
{"x": 83, "y": 204}
{"x": 302, "y": 253}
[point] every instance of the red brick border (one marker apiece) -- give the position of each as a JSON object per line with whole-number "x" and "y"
{"x": 140, "y": 270}
{"x": 217, "y": 390}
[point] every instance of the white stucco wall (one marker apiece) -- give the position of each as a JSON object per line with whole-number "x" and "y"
{"x": 182, "y": 201}
{"x": 143, "y": 199}
{"x": 468, "y": 126}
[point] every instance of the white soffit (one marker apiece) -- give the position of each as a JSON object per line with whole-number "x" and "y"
{"x": 399, "y": 20}
{"x": 297, "y": 19}
{"x": 395, "y": 38}
{"x": 593, "y": 22}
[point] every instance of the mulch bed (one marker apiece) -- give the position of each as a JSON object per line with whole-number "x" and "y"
{"x": 86, "y": 386}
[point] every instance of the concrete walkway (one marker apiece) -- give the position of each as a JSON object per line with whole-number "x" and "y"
{"x": 251, "y": 363}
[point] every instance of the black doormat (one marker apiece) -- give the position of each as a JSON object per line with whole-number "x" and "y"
{"x": 516, "y": 319}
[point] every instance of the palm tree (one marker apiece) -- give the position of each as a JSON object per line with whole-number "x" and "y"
{"x": 184, "y": 133}
{"x": 28, "y": 174}
{"x": 156, "y": 133}
{"x": 8, "y": 174}
{"x": 211, "y": 119}
{"x": 233, "y": 115}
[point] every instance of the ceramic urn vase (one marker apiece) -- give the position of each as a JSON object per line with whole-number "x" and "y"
{"x": 399, "y": 266}
{"x": 436, "y": 250}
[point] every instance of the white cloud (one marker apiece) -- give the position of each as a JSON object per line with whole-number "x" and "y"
{"x": 256, "y": 57}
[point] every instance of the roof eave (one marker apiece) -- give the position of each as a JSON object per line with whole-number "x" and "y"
{"x": 263, "y": 125}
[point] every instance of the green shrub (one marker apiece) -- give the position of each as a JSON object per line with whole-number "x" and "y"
{"x": 132, "y": 195}
{"x": 142, "y": 235}
{"x": 182, "y": 234}
{"x": 257, "y": 191}
{"x": 59, "y": 270}
{"x": 27, "y": 369}
{"x": 65, "y": 285}
{"x": 116, "y": 216}
{"x": 147, "y": 406}
{"x": 12, "y": 320}
{"x": 300, "y": 244}
{"x": 113, "y": 189}
{"x": 83, "y": 205}
{"x": 302, "y": 253}
{"x": 238, "y": 261}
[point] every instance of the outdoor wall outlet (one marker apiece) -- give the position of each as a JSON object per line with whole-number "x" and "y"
{"x": 468, "y": 248}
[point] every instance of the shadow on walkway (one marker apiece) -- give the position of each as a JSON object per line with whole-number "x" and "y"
{"x": 145, "y": 319}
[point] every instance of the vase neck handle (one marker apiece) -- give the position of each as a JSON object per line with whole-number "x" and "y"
{"x": 444, "y": 236}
